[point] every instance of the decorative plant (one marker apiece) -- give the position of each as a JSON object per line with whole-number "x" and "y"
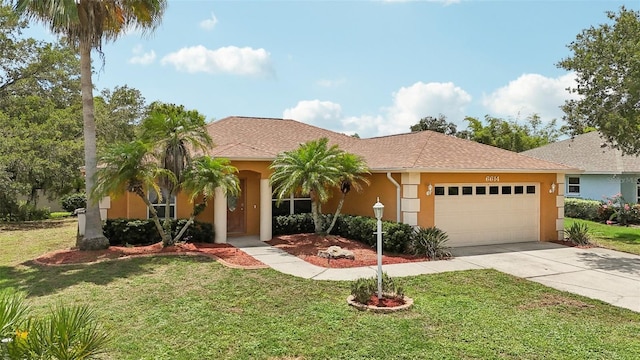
{"x": 362, "y": 289}
{"x": 430, "y": 242}
{"x": 623, "y": 212}
{"x": 66, "y": 333}
{"x": 578, "y": 233}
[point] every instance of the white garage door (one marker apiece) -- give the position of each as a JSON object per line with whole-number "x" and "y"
{"x": 481, "y": 214}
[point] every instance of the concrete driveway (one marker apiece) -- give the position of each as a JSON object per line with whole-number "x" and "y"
{"x": 607, "y": 275}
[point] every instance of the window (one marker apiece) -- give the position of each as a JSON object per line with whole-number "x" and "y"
{"x": 481, "y": 190}
{"x": 531, "y": 189}
{"x": 506, "y": 190}
{"x": 467, "y": 190}
{"x": 573, "y": 185}
{"x": 290, "y": 206}
{"x": 453, "y": 190}
{"x": 439, "y": 190}
{"x": 493, "y": 190}
{"x": 518, "y": 189}
{"x": 160, "y": 205}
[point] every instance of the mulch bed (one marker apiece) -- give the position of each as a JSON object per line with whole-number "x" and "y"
{"x": 224, "y": 253}
{"x": 306, "y": 246}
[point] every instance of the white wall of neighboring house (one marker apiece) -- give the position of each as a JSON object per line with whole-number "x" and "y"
{"x": 44, "y": 202}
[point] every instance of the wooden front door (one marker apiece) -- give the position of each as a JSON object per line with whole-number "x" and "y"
{"x": 236, "y": 221}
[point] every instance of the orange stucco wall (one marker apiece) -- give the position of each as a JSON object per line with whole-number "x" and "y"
{"x": 356, "y": 203}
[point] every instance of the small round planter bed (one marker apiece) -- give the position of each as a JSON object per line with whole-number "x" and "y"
{"x": 407, "y": 302}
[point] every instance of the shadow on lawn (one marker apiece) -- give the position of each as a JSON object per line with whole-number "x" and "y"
{"x": 38, "y": 280}
{"x": 603, "y": 262}
{"x": 34, "y": 225}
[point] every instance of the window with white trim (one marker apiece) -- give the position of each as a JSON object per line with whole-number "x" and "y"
{"x": 573, "y": 185}
{"x": 290, "y": 206}
{"x": 160, "y": 205}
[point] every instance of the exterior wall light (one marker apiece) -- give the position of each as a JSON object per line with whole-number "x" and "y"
{"x": 553, "y": 188}
{"x": 429, "y": 189}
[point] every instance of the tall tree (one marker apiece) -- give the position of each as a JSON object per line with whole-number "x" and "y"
{"x": 175, "y": 132}
{"x": 315, "y": 168}
{"x": 353, "y": 170}
{"x": 118, "y": 113}
{"x": 86, "y": 24}
{"x": 605, "y": 60}
{"x": 438, "y": 124}
{"x": 511, "y": 135}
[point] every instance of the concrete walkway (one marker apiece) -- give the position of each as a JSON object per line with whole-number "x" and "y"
{"x": 602, "y": 274}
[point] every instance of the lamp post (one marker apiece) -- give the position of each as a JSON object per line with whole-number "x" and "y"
{"x": 378, "y": 210}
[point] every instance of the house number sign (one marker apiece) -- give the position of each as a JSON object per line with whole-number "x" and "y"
{"x": 492, "y": 178}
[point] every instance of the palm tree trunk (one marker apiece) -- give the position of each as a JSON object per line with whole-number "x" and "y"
{"x": 167, "y": 221}
{"x": 317, "y": 223}
{"x": 154, "y": 216}
{"x": 184, "y": 229}
{"x": 335, "y": 216}
{"x": 93, "y": 238}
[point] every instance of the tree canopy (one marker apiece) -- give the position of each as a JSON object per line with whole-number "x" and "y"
{"x": 438, "y": 124}
{"x": 606, "y": 60}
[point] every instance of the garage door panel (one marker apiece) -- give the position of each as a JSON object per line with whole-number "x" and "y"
{"x": 489, "y": 218}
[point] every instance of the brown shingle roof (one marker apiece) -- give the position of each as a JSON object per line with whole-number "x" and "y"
{"x": 244, "y": 138}
{"x": 588, "y": 152}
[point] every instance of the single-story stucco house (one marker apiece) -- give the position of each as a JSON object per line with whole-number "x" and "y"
{"x": 478, "y": 194}
{"x": 606, "y": 171}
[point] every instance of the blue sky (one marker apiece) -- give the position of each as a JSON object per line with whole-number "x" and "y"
{"x": 371, "y": 67}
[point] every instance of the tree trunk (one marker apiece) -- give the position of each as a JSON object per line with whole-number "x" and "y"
{"x": 166, "y": 241}
{"x": 335, "y": 216}
{"x": 156, "y": 220}
{"x": 93, "y": 237}
{"x": 184, "y": 229}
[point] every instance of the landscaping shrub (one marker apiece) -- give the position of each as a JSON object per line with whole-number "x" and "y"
{"x": 74, "y": 201}
{"x": 583, "y": 209}
{"x": 144, "y": 232}
{"x": 21, "y": 211}
{"x": 66, "y": 333}
{"x": 578, "y": 233}
{"x": 620, "y": 210}
{"x": 358, "y": 228}
{"x": 363, "y": 288}
{"x": 430, "y": 242}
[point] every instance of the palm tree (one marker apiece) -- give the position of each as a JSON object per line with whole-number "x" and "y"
{"x": 131, "y": 167}
{"x": 176, "y": 132}
{"x": 86, "y": 24}
{"x": 313, "y": 168}
{"x": 202, "y": 178}
{"x": 353, "y": 170}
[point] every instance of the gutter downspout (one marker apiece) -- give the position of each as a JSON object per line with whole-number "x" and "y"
{"x": 397, "y": 195}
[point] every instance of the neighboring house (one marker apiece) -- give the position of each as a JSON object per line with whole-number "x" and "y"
{"x": 478, "y": 194}
{"x": 606, "y": 171}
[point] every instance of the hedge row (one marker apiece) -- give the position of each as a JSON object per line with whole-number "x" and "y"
{"x": 144, "y": 232}
{"x": 584, "y": 209}
{"x": 397, "y": 236}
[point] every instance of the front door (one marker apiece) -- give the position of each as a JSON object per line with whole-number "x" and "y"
{"x": 236, "y": 221}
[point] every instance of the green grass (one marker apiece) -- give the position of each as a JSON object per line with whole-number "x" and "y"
{"x": 195, "y": 308}
{"x": 59, "y": 214}
{"x": 621, "y": 238}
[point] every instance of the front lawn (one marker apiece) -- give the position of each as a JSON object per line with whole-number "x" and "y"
{"x": 195, "y": 308}
{"x": 621, "y": 238}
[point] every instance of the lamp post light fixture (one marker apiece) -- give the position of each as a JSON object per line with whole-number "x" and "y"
{"x": 378, "y": 210}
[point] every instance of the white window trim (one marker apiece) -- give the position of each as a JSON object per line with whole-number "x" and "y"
{"x": 569, "y": 185}
{"x": 174, "y": 205}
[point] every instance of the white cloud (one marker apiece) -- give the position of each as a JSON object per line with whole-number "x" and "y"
{"x": 531, "y": 93}
{"x": 229, "y": 59}
{"x": 331, "y": 83}
{"x": 412, "y": 103}
{"x": 324, "y": 114}
{"x": 142, "y": 58}
{"x": 210, "y": 23}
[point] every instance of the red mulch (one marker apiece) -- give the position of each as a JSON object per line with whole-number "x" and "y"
{"x": 306, "y": 246}
{"x": 572, "y": 244}
{"x": 225, "y": 253}
{"x": 385, "y": 302}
